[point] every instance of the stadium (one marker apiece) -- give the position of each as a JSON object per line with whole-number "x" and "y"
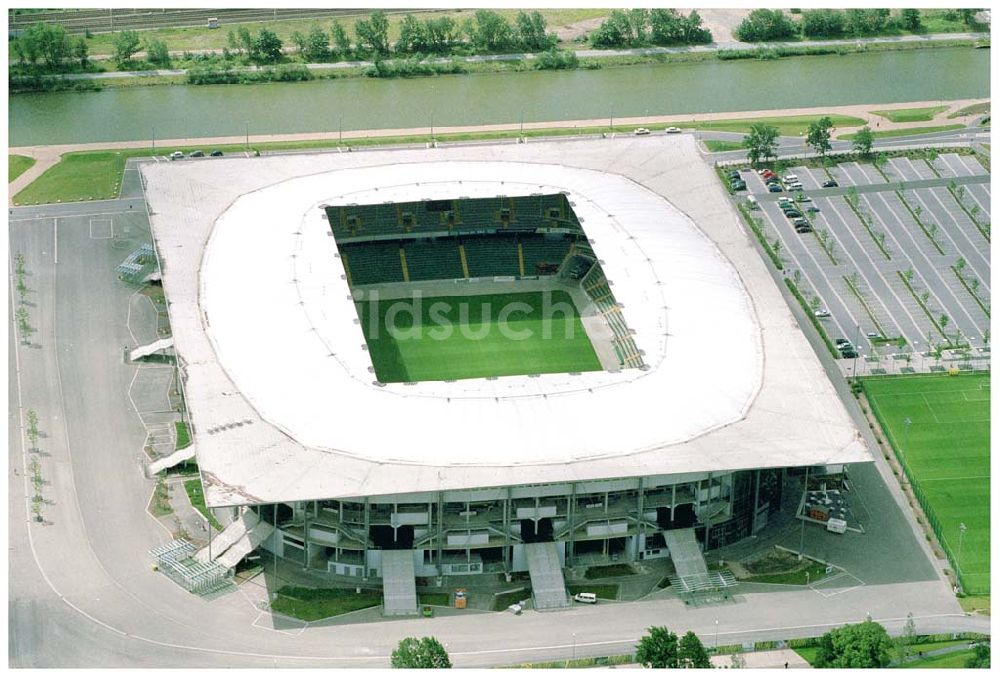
{"x": 484, "y": 359}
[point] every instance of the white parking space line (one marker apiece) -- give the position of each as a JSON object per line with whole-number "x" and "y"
{"x": 972, "y": 252}
{"x": 921, "y": 271}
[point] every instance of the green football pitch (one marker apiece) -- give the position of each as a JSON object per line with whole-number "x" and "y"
{"x": 446, "y": 338}
{"x": 947, "y": 449}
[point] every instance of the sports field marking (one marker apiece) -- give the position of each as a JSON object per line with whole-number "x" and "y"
{"x": 101, "y": 229}
{"x": 927, "y": 480}
{"x": 930, "y": 407}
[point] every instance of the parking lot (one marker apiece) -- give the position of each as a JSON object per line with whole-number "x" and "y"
{"x": 898, "y": 256}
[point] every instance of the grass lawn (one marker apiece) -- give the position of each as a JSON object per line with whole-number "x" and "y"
{"x": 952, "y": 660}
{"x": 183, "y": 437}
{"x": 947, "y": 450}
{"x": 816, "y": 571}
{"x": 788, "y": 126}
{"x": 468, "y": 340}
{"x": 974, "y": 109}
{"x": 78, "y": 176}
{"x": 18, "y": 165}
{"x": 905, "y": 132}
{"x": 196, "y": 494}
{"x": 313, "y": 604}
{"x": 442, "y": 599}
{"x": 717, "y": 146}
{"x": 603, "y": 591}
{"x": 975, "y": 603}
{"x": 504, "y": 600}
{"x": 602, "y": 571}
{"x": 911, "y": 114}
{"x": 807, "y": 653}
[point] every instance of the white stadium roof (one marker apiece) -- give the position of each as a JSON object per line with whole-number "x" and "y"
{"x": 279, "y": 383}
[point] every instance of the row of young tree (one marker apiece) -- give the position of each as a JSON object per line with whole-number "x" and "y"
{"x": 853, "y": 646}
{"x": 644, "y": 27}
{"x": 773, "y": 24}
{"x": 50, "y": 47}
{"x": 762, "y": 141}
{"x": 486, "y": 32}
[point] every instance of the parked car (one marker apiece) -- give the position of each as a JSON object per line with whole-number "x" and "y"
{"x": 841, "y": 343}
{"x": 848, "y": 353}
{"x": 590, "y": 598}
{"x": 733, "y": 174}
{"x": 775, "y": 188}
{"x": 794, "y": 186}
{"x": 673, "y": 130}
{"x": 791, "y": 178}
{"x": 739, "y": 185}
{"x": 216, "y": 154}
{"x": 800, "y": 222}
{"x": 197, "y": 154}
{"x": 641, "y": 131}
{"x": 802, "y": 230}
{"x": 830, "y": 183}
{"x": 803, "y": 198}
{"x": 821, "y": 313}
{"x": 812, "y": 209}
{"x": 176, "y": 155}
{"x": 793, "y": 214}
{"x": 873, "y": 335}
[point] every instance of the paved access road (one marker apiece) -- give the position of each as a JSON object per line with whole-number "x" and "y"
{"x": 81, "y": 590}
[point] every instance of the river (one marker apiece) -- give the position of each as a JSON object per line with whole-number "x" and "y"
{"x": 363, "y": 103}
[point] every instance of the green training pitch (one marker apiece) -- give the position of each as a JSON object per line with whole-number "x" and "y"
{"x": 448, "y": 338}
{"x": 947, "y": 450}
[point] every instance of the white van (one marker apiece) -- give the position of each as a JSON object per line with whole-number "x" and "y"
{"x": 590, "y": 598}
{"x": 790, "y": 178}
{"x": 752, "y": 201}
{"x": 836, "y": 525}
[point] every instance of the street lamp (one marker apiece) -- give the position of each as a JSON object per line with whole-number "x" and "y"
{"x": 961, "y": 535}
{"x": 906, "y": 443}
{"x": 716, "y": 635}
{"x": 154, "y": 139}
{"x": 802, "y": 524}
{"x": 247, "y": 144}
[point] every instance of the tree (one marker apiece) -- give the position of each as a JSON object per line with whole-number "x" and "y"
{"x": 691, "y": 653}
{"x": 413, "y": 36}
{"x": 266, "y": 47}
{"x": 866, "y": 21}
{"x": 855, "y": 646}
{"x": 317, "y": 44}
{"x": 822, "y": 23}
{"x": 81, "y": 51}
{"x": 125, "y": 44}
{"x": 619, "y": 29}
{"x": 490, "y": 32}
{"x": 373, "y": 34}
{"x": 909, "y": 636}
{"x": 531, "y": 35}
{"x": 761, "y": 142}
{"x": 666, "y": 27}
{"x": 157, "y": 52}
{"x": 233, "y": 43}
{"x": 298, "y": 39}
{"x": 818, "y": 135}
{"x": 863, "y": 140}
{"x": 45, "y": 42}
{"x": 943, "y": 321}
{"x": 694, "y": 31}
{"x": 442, "y": 33}
{"x": 32, "y": 419}
{"x": 657, "y": 649}
{"x": 425, "y": 653}
{"x": 765, "y": 24}
{"x": 910, "y": 19}
{"x": 981, "y": 656}
{"x": 341, "y": 41}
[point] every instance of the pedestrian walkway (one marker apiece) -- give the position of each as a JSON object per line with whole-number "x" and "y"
{"x": 399, "y": 591}
{"x": 547, "y": 583}
{"x": 768, "y": 659}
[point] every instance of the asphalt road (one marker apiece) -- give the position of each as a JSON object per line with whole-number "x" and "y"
{"x": 81, "y": 592}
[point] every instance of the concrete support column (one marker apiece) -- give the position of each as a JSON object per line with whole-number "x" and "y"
{"x": 439, "y": 539}
{"x": 506, "y": 533}
{"x": 364, "y": 576}
{"x": 673, "y": 500}
{"x": 640, "y": 524}
{"x": 571, "y": 521}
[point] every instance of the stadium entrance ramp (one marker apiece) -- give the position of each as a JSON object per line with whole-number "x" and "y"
{"x": 149, "y": 349}
{"x": 547, "y": 583}
{"x": 399, "y": 584}
{"x": 684, "y": 551}
{"x": 241, "y": 537}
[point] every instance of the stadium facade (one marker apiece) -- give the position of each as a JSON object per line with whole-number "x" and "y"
{"x": 704, "y": 394}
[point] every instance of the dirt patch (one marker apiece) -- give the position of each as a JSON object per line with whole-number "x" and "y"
{"x": 577, "y": 30}
{"x": 773, "y": 562}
